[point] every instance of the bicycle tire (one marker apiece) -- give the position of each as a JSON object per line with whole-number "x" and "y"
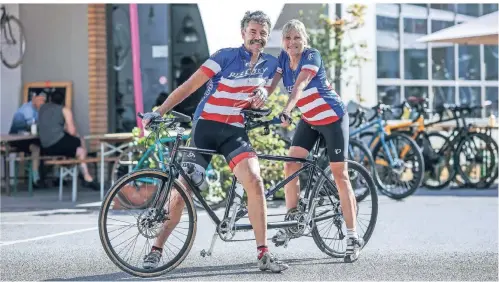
{"x": 370, "y": 161}
{"x": 102, "y": 220}
{"x": 372, "y": 222}
{"x": 419, "y": 160}
{"x": 490, "y": 176}
{"x": 22, "y": 40}
{"x": 450, "y": 168}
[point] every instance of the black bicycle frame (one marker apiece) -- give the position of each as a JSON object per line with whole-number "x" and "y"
{"x": 175, "y": 169}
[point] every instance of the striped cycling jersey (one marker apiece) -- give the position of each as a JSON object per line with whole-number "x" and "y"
{"x": 319, "y": 104}
{"x": 231, "y": 81}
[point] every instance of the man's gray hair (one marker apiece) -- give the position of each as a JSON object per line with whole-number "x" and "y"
{"x": 256, "y": 16}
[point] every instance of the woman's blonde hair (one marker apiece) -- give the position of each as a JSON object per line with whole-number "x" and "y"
{"x": 298, "y": 26}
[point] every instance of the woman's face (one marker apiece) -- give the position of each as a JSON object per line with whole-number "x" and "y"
{"x": 293, "y": 43}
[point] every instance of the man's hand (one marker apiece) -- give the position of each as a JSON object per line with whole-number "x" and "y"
{"x": 285, "y": 119}
{"x": 148, "y": 117}
{"x": 258, "y": 98}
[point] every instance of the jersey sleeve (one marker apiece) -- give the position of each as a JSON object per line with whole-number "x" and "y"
{"x": 280, "y": 62}
{"x": 214, "y": 64}
{"x": 312, "y": 62}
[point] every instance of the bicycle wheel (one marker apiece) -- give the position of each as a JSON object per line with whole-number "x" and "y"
{"x": 328, "y": 204}
{"x": 139, "y": 227}
{"x": 359, "y": 153}
{"x": 13, "y": 49}
{"x": 127, "y": 162}
{"x": 439, "y": 169}
{"x": 401, "y": 179}
{"x": 476, "y": 160}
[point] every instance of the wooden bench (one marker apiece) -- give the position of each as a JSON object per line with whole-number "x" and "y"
{"x": 70, "y": 167}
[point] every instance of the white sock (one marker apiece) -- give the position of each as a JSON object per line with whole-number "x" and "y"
{"x": 351, "y": 233}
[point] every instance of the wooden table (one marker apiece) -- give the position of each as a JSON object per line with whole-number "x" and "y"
{"x": 107, "y": 147}
{"x": 5, "y": 140}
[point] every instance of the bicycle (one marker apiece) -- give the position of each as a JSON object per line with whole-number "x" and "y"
{"x": 400, "y": 166}
{"x": 461, "y": 145}
{"x": 7, "y": 26}
{"x": 137, "y": 157}
{"x": 301, "y": 222}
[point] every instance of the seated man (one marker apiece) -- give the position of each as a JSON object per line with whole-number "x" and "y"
{"x": 24, "y": 117}
{"x": 58, "y": 135}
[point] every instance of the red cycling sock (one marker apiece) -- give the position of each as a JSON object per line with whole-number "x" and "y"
{"x": 262, "y": 250}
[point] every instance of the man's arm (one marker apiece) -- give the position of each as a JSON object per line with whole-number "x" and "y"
{"x": 183, "y": 91}
{"x": 68, "y": 118}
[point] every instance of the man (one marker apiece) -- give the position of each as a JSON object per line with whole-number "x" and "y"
{"x": 236, "y": 77}
{"x": 23, "y": 118}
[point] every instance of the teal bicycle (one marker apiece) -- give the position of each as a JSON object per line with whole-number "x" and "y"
{"x": 156, "y": 156}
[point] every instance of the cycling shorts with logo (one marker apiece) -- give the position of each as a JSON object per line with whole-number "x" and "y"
{"x": 335, "y": 135}
{"x": 230, "y": 141}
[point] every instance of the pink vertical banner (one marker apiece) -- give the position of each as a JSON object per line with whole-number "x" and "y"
{"x": 137, "y": 79}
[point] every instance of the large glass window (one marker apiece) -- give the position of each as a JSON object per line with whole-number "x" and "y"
{"x": 491, "y": 61}
{"x": 489, "y": 8}
{"x": 437, "y": 25}
{"x": 416, "y": 91}
{"x": 445, "y": 7}
{"x": 443, "y": 95}
{"x": 470, "y": 96}
{"x": 469, "y": 62}
{"x": 388, "y": 45}
{"x": 491, "y": 95}
{"x": 443, "y": 63}
{"x": 468, "y": 9}
{"x": 389, "y": 95}
{"x": 416, "y": 63}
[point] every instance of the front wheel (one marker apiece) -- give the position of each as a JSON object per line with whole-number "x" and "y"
{"x": 329, "y": 231}
{"x": 127, "y": 234}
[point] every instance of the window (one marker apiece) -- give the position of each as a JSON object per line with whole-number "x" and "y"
{"x": 468, "y": 9}
{"x": 415, "y": 26}
{"x": 389, "y": 95}
{"x": 416, "y": 91}
{"x": 489, "y": 8}
{"x": 471, "y": 96}
{"x": 416, "y": 64}
{"x": 491, "y": 58}
{"x": 443, "y": 95}
{"x": 491, "y": 95}
{"x": 443, "y": 63}
{"x": 437, "y": 25}
{"x": 446, "y": 7}
{"x": 469, "y": 62}
{"x": 388, "y": 44}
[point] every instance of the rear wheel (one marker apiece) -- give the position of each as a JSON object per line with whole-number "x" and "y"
{"x": 330, "y": 234}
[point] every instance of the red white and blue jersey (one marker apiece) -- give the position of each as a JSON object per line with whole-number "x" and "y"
{"x": 231, "y": 82}
{"x": 319, "y": 104}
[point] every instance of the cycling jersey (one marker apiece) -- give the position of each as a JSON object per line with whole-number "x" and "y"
{"x": 319, "y": 103}
{"x": 231, "y": 81}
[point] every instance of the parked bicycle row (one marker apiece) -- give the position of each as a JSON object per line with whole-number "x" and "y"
{"x": 404, "y": 155}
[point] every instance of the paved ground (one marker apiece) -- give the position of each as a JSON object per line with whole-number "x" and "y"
{"x": 445, "y": 235}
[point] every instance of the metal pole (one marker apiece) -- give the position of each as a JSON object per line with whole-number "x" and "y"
{"x": 137, "y": 79}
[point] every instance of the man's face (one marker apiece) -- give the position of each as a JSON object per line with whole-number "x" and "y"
{"x": 38, "y": 101}
{"x": 255, "y": 36}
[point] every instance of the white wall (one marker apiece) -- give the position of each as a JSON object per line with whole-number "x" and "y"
{"x": 365, "y": 77}
{"x": 10, "y": 84}
{"x": 58, "y": 50}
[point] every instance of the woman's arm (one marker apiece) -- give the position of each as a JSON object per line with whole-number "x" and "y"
{"x": 273, "y": 85}
{"x": 302, "y": 81}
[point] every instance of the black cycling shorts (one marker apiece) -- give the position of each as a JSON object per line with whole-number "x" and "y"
{"x": 335, "y": 134}
{"x": 230, "y": 141}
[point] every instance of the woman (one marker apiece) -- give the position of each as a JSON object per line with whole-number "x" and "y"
{"x": 323, "y": 112}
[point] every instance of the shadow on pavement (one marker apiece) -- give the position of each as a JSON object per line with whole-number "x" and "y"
{"x": 202, "y": 271}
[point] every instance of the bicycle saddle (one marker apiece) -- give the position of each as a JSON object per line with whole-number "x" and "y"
{"x": 256, "y": 113}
